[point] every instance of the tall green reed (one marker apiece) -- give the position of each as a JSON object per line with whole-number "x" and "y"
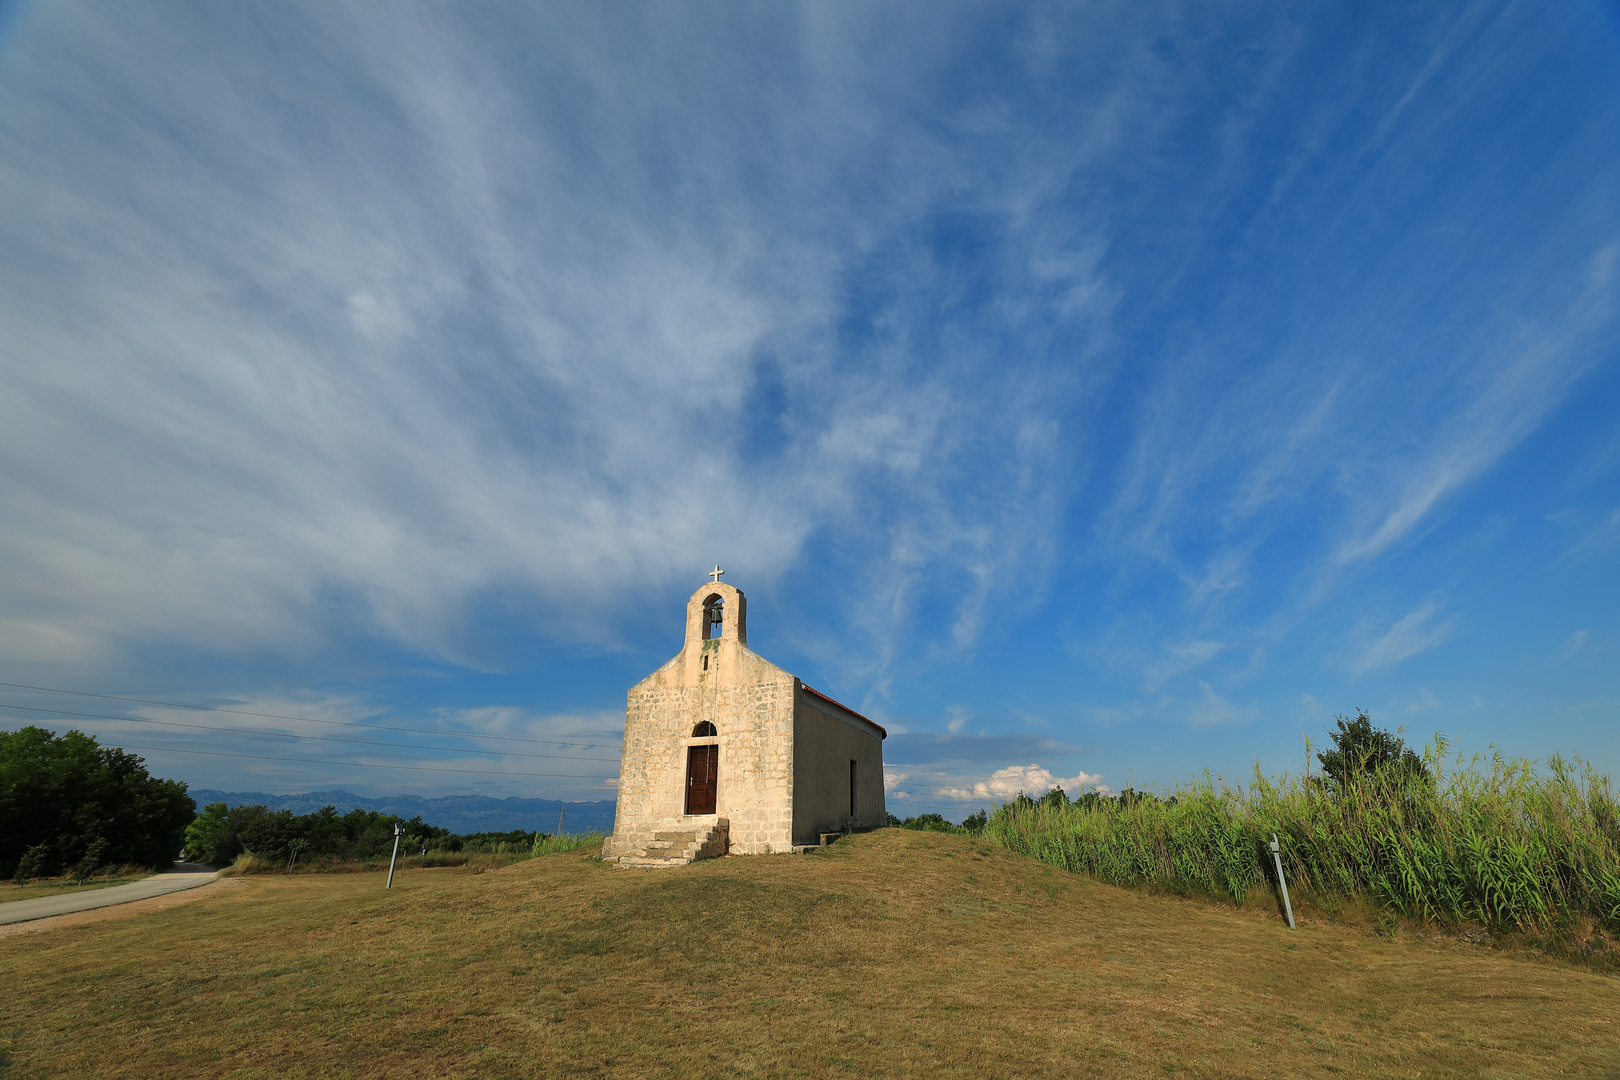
{"x": 1496, "y": 841}
{"x": 550, "y": 845}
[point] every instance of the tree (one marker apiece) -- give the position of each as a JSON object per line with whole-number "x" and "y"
{"x": 68, "y": 792}
{"x": 205, "y": 837}
{"x": 1363, "y": 751}
{"x": 95, "y": 857}
{"x": 1130, "y": 797}
{"x": 270, "y": 835}
{"x": 31, "y": 865}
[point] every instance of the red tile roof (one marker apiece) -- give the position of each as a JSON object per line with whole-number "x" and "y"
{"x": 812, "y": 690}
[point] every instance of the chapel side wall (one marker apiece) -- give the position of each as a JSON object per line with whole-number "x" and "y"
{"x": 824, "y": 745}
{"x": 751, "y": 703}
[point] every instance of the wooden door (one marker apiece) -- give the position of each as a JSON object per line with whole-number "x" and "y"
{"x": 702, "y": 769}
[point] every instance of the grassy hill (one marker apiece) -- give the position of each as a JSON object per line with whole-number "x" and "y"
{"x": 890, "y": 954}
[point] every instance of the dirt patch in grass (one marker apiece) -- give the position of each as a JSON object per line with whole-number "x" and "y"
{"x": 895, "y": 953}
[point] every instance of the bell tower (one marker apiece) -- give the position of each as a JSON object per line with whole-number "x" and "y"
{"x": 717, "y": 612}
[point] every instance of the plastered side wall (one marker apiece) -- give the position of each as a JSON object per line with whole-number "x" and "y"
{"x": 825, "y": 743}
{"x": 749, "y": 700}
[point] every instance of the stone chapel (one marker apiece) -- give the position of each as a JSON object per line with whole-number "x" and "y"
{"x": 726, "y": 753}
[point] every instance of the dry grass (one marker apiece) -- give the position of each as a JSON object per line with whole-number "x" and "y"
{"x": 891, "y": 954}
{"x": 122, "y": 875}
{"x": 478, "y": 861}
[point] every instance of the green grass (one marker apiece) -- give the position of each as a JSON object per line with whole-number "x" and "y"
{"x": 1498, "y": 843}
{"x": 894, "y": 953}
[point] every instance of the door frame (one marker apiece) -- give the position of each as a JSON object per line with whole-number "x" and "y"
{"x": 686, "y": 787}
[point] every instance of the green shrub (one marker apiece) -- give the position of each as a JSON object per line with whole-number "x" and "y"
{"x": 971, "y": 825}
{"x": 220, "y": 834}
{"x": 263, "y": 841}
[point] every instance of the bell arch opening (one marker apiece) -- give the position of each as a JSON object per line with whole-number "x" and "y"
{"x": 714, "y": 617}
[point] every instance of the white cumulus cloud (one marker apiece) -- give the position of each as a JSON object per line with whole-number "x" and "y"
{"x": 1029, "y": 779}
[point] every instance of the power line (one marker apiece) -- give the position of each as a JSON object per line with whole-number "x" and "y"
{"x": 307, "y": 719}
{"x": 288, "y": 735}
{"x": 365, "y": 765}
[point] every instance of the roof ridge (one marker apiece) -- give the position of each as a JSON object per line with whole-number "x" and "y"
{"x": 846, "y": 708}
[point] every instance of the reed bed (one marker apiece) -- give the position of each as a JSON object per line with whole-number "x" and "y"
{"x": 1494, "y": 841}
{"x": 551, "y": 845}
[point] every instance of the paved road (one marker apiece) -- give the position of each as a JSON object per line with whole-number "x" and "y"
{"x": 179, "y": 876}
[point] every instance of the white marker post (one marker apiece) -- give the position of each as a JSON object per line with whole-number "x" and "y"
{"x": 399, "y": 830}
{"x": 1276, "y": 857}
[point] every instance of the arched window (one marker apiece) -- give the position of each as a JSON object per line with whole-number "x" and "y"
{"x": 714, "y": 617}
{"x": 704, "y": 729}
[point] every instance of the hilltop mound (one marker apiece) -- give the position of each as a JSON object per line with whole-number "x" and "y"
{"x": 890, "y": 954}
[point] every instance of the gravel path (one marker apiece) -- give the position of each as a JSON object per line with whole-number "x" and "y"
{"x": 177, "y": 878}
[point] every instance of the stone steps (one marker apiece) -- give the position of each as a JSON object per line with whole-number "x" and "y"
{"x": 678, "y": 847}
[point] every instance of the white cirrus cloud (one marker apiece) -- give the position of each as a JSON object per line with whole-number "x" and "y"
{"x": 1213, "y": 710}
{"x": 1572, "y": 645}
{"x": 1419, "y": 630}
{"x": 1424, "y": 701}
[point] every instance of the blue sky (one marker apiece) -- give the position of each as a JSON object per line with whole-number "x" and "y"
{"x": 1090, "y": 393}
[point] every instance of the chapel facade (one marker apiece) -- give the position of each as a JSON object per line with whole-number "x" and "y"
{"x": 726, "y": 753}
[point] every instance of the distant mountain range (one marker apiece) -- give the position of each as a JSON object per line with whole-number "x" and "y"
{"x": 458, "y": 813}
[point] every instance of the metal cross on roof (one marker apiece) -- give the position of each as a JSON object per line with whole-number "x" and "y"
{"x": 716, "y": 573}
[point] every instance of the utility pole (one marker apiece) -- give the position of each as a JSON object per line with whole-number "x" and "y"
{"x": 561, "y": 810}
{"x": 399, "y": 830}
{"x": 1276, "y": 857}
